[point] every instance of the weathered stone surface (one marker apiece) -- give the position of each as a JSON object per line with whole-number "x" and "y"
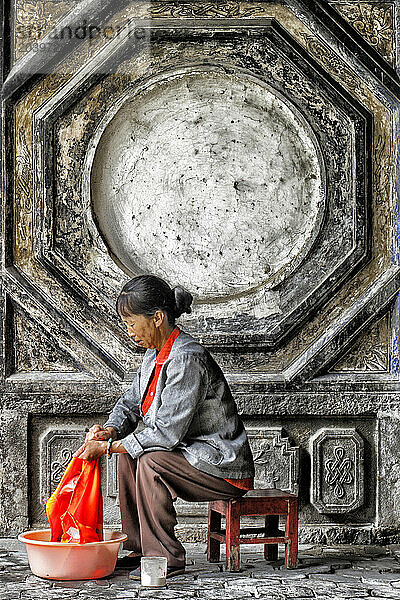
{"x": 337, "y": 470}
{"x": 376, "y": 578}
{"x": 336, "y": 578}
{"x": 389, "y": 467}
{"x": 262, "y": 159}
{"x": 346, "y": 592}
{"x": 13, "y": 479}
{"x": 318, "y": 89}
{"x": 387, "y": 592}
{"x": 276, "y": 461}
{"x": 321, "y": 568}
{"x": 251, "y": 583}
{"x": 371, "y": 351}
{"x": 51, "y": 448}
{"x": 385, "y": 565}
{"x": 35, "y": 351}
{"x": 370, "y": 577}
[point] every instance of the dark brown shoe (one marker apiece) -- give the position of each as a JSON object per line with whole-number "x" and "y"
{"x": 171, "y": 571}
{"x": 128, "y": 562}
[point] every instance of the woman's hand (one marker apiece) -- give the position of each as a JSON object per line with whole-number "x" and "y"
{"x": 91, "y": 450}
{"x": 97, "y": 432}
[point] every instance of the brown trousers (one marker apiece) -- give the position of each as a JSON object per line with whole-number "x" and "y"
{"x": 148, "y": 487}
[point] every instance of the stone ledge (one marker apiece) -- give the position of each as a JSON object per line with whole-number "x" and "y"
{"x": 368, "y": 535}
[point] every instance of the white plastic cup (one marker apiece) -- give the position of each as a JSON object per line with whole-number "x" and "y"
{"x": 153, "y": 571}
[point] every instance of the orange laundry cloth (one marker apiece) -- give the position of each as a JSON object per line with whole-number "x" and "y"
{"x": 75, "y": 509}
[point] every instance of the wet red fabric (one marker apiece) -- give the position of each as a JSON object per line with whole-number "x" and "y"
{"x": 75, "y": 509}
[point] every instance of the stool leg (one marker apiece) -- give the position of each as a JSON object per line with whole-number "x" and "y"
{"x": 233, "y": 537}
{"x": 291, "y": 531}
{"x": 271, "y": 529}
{"x": 213, "y": 545}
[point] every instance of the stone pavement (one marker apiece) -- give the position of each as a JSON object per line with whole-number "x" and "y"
{"x": 324, "y": 573}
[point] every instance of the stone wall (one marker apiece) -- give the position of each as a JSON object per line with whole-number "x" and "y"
{"x": 248, "y": 151}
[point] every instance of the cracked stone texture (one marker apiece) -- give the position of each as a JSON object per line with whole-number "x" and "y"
{"x": 322, "y": 574}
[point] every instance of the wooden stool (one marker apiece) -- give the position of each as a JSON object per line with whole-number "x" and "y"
{"x": 269, "y": 503}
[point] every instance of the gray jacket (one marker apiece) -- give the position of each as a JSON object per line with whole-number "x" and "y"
{"x": 193, "y": 410}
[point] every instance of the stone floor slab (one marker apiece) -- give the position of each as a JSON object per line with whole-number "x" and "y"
{"x": 387, "y": 592}
{"x": 383, "y": 565}
{"x": 320, "y": 568}
{"x": 335, "y": 577}
{"x": 298, "y": 591}
{"x": 163, "y": 593}
{"x": 286, "y": 574}
{"x": 351, "y": 573}
{"x": 375, "y": 578}
{"x": 324, "y": 574}
{"x": 349, "y": 592}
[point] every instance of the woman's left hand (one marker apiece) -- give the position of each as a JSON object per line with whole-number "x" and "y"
{"x": 91, "y": 450}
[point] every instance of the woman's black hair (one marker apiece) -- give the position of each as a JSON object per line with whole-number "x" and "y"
{"x": 145, "y": 294}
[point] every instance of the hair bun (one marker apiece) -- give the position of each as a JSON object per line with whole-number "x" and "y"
{"x": 183, "y": 300}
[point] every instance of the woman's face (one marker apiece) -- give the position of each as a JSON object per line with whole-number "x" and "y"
{"x": 143, "y": 330}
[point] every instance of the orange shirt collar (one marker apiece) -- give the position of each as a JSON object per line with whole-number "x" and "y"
{"x": 162, "y": 356}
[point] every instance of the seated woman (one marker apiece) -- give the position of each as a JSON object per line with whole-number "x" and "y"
{"x": 193, "y": 444}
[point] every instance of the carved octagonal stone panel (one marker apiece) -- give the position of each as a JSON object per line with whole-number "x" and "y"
{"x": 337, "y": 465}
{"x": 56, "y": 450}
{"x": 151, "y": 153}
{"x": 51, "y": 448}
{"x": 57, "y": 126}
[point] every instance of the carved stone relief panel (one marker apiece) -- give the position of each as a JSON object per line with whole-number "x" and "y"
{"x": 342, "y": 127}
{"x": 208, "y": 10}
{"x": 276, "y": 463}
{"x": 241, "y": 291}
{"x": 35, "y": 350}
{"x": 56, "y": 450}
{"x": 374, "y": 21}
{"x": 337, "y": 466}
{"x": 301, "y": 430}
{"x": 371, "y": 351}
{"x": 33, "y": 20}
{"x": 62, "y": 262}
{"x": 110, "y": 489}
{"x": 52, "y": 443}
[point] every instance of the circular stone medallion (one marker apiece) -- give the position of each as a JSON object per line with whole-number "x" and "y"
{"x": 209, "y": 180}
